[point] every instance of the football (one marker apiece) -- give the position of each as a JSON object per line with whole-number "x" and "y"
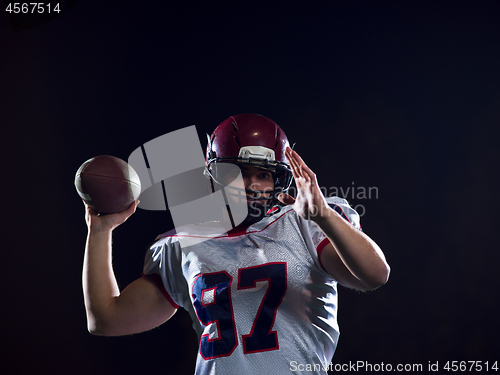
{"x": 107, "y": 184}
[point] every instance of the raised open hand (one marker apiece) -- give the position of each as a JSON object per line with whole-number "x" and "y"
{"x": 310, "y": 202}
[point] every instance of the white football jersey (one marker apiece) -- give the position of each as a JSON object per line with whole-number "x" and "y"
{"x": 259, "y": 299}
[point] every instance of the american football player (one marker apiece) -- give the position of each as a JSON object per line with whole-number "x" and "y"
{"x": 263, "y": 296}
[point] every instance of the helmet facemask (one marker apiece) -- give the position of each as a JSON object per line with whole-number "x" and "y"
{"x": 260, "y": 203}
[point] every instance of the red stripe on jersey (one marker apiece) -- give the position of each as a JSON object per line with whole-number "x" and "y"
{"x": 159, "y": 283}
{"x": 238, "y": 231}
{"x": 320, "y": 248}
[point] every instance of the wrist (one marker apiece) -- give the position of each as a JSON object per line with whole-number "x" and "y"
{"x": 99, "y": 231}
{"x": 323, "y": 215}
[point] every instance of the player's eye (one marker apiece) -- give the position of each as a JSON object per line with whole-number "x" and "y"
{"x": 265, "y": 175}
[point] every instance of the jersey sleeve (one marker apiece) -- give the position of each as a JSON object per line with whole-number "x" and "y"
{"x": 343, "y": 208}
{"x": 162, "y": 265}
{"x": 317, "y": 239}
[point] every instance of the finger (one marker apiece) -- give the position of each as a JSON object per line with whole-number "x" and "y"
{"x": 294, "y": 170}
{"x": 89, "y": 209}
{"x": 297, "y": 161}
{"x": 292, "y": 156}
{"x": 307, "y": 173}
{"x": 134, "y": 205}
{"x": 299, "y": 173}
{"x": 305, "y": 170}
{"x": 294, "y": 166}
{"x": 288, "y": 155}
{"x": 125, "y": 214}
{"x": 300, "y": 168}
{"x": 286, "y": 199}
{"x": 296, "y": 156}
{"x": 87, "y": 214}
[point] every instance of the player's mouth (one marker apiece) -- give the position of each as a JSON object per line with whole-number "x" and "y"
{"x": 257, "y": 198}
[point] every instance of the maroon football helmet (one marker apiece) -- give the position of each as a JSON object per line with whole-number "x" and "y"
{"x": 249, "y": 139}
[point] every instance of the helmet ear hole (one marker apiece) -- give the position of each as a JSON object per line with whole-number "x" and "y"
{"x": 211, "y": 154}
{"x": 206, "y": 173}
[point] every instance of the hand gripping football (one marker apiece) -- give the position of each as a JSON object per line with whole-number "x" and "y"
{"x": 107, "y": 184}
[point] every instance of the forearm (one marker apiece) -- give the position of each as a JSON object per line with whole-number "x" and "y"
{"x": 99, "y": 283}
{"x": 359, "y": 253}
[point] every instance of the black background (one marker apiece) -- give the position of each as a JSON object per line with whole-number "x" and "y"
{"x": 401, "y": 96}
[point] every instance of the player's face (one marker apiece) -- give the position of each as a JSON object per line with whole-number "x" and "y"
{"x": 257, "y": 179}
